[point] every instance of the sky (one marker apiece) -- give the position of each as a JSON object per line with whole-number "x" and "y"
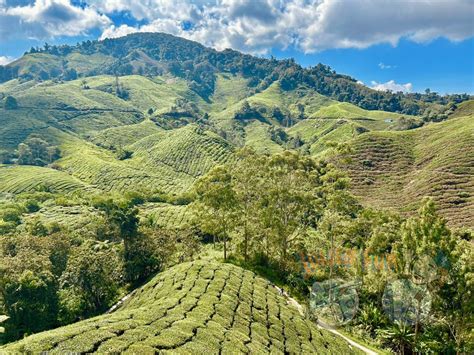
{"x": 399, "y": 45}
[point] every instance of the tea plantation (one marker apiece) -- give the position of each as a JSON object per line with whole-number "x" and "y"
{"x": 199, "y": 307}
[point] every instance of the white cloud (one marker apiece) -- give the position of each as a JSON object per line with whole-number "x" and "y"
{"x": 48, "y": 18}
{"x": 311, "y": 25}
{"x": 391, "y": 85}
{"x": 4, "y": 60}
{"x": 253, "y": 26}
{"x": 386, "y": 66}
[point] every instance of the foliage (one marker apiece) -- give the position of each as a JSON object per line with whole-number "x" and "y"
{"x": 28, "y": 284}
{"x": 268, "y": 203}
{"x": 399, "y": 336}
{"x": 36, "y": 151}
{"x": 50, "y": 275}
{"x": 10, "y": 103}
{"x": 91, "y": 277}
{"x": 216, "y": 204}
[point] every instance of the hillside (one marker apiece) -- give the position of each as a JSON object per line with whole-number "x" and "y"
{"x": 151, "y": 125}
{"x": 197, "y": 307}
{"x": 153, "y": 54}
{"x": 396, "y": 169}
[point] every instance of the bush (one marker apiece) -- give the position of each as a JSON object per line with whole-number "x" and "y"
{"x": 32, "y": 206}
{"x": 10, "y": 103}
{"x": 135, "y": 198}
{"x": 11, "y": 215}
{"x": 184, "y": 199}
{"x": 123, "y": 154}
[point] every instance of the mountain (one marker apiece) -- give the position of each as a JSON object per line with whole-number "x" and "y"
{"x": 194, "y": 308}
{"x": 154, "y": 54}
{"x": 154, "y": 111}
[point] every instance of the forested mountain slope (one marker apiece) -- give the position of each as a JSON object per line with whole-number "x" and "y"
{"x": 154, "y": 54}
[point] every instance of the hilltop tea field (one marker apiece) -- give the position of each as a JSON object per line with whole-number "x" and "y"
{"x": 194, "y": 308}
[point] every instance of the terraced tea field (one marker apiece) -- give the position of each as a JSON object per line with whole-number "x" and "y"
{"x": 166, "y": 215}
{"x": 200, "y": 307}
{"x": 396, "y": 169}
{"x": 69, "y": 217}
{"x": 186, "y": 150}
{"x": 18, "y": 179}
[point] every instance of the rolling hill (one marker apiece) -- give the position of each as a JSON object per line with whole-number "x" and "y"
{"x": 151, "y": 125}
{"x": 396, "y": 169}
{"x": 199, "y": 307}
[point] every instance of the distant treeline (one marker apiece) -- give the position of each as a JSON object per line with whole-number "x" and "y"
{"x": 157, "y": 53}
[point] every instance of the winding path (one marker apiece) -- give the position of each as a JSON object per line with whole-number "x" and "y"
{"x": 324, "y": 325}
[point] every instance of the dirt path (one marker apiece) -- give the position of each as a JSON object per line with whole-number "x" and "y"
{"x": 324, "y": 325}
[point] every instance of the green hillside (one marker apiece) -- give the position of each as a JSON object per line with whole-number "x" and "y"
{"x": 197, "y": 307}
{"x": 396, "y": 169}
{"x": 125, "y": 161}
{"x": 163, "y": 128}
{"x": 155, "y": 54}
{"x": 18, "y": 179}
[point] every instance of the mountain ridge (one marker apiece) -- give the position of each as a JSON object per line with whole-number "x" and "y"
{"x": 159, "y": 53}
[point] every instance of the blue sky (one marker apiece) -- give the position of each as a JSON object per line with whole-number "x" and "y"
{"x": 406, "y": 45}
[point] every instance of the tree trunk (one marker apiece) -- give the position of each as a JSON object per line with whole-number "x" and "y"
{"x": 225, "y": 247}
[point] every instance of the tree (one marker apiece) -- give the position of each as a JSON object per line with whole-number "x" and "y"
{"x": 10, "y": 103}
{"x": 425, "y": 249}
{"x": 144, "y": 253}
{"x": 70, "y": 74}
{"x": 25, "y": 156}
{"x": 425, "y": 235}
{"x": 53, "y": 153}
{"x": 289, "y": 200}
{"x": 147, "y": 253}
{"x": 215, "y": 204}
{"x": 36, "y": 151}
{"x": 331, "y": 233}
{"x": 456, "y": 297}
{"x": 247, "y": 181}
{"x": 89, "y": 285}
{"x": 27, "y": 284}
{"x": 39, "y": 150}
{"x": 6, "y": 156}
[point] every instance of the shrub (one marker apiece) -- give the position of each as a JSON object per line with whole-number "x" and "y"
{"x": 10, "y": 103}
{"x": 32, "y": 206}
{"x": 123, "y": 154}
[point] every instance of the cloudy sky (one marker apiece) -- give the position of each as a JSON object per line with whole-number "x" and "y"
{"x": 406, "y": 45}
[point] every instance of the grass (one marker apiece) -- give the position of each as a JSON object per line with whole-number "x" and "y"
{"x": 347, "y": 110}
{"x": 229, "y": 90}
{"x": 257, "y": 136}
{"x": 194, "y": 307}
